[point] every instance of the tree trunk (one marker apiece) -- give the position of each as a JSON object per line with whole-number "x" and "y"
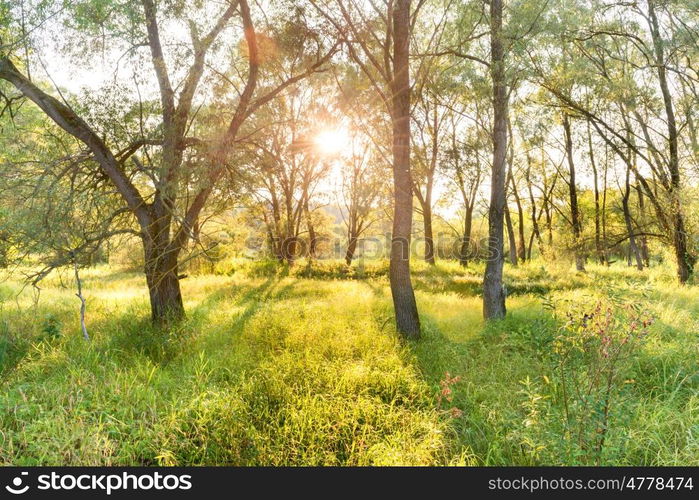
{"x": 520, "y": 253}
{"x": 493, "y": 289}
{"x": 604, "y": 207}
{"x": 312, "y": 238}
{"x": 595, "y": 181}
{"x": 79, "y": 295}
{"x": 289, "y": 249}
{"x": 429, "y": 237}
{"x": 573, "y": 192}
{"x": 351, "y": 248}
{"x": 161, "y": 271}
{"x": 633, "y": 247}
{"x": 407, "y": 319}
{"x": 521, "y": 245}
{"x": 352, "y": 237}
{"x": 549, "y": 224}
{"x": 536, "y": 233}
{"x": 644, "y": 238}
{"x": 512, "y": 250}
{"x": 685, "y": 262}
{"x": 465, "y": 249}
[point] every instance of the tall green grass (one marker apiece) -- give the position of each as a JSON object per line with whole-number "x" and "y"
{"x": 302, "y": 366}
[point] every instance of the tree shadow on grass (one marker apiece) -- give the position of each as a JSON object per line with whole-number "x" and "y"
{"x": 468, "y": 282}
{"x": 133, "y": 333}
{"x": 236, "y": 293}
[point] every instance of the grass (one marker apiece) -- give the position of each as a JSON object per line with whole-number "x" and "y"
{"x": 303, "y": 366}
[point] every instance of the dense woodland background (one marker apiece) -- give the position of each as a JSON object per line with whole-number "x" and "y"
{"x": 349, "y": 232}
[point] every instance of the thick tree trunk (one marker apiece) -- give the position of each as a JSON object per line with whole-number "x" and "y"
{"x": 289, "y": 247}
{"x": 352, "y": 238}
{"x": 407, "y": 319}
{"x": 493, "y": 289}
{"x": 629, "y": 261}
{"x": 685, "y": 262}
{"x": 573, "y": 192}
{"x": 161, "y": 271}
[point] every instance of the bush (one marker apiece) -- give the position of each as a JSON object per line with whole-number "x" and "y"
{"x": 573, "y": 416}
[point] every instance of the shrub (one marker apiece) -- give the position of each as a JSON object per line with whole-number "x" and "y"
{"x": 571, "y": 417}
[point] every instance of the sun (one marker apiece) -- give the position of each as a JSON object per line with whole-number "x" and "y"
{"x": 332, "y": 142}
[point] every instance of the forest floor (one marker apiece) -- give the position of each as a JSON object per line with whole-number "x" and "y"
{"x": 304, "y": 367}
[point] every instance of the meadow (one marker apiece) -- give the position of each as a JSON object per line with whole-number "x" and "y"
{"x": 303, "y": 366}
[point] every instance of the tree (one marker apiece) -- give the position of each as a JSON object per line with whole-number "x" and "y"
{"x": 385, "y": 62}
{"x": 437, "y": 97}
{"x": 493, "y": 289}
{"x": 625, "y": 87}
{"x": 575, "y": 216}
{"x": 165, "y": 210}
{"x": 464, "y": 165}
{"x": 287, "y": 166}
{"x": 407, "y": 318}
{"x": 361, "y": 191}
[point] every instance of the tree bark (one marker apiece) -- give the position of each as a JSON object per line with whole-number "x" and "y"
{"x": 312, "y": 237}
{"x": 536, "y": 233}
{"x": 353, "y": 230}
{"x": 429, "y": 236}
{"x": 351, "y": 248}
{"x": 162, "y": 276}
{"x": 493, "y": 289}
{"x": 633, "y": 247}
{"x": 573, "y": 193}
{"x": 644, "y": 239}
{"x": 465, "y": 249}
{"x": 521, "y": 245}
{"x": 407, "y": 319}
{"x": 512, "y": 249}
